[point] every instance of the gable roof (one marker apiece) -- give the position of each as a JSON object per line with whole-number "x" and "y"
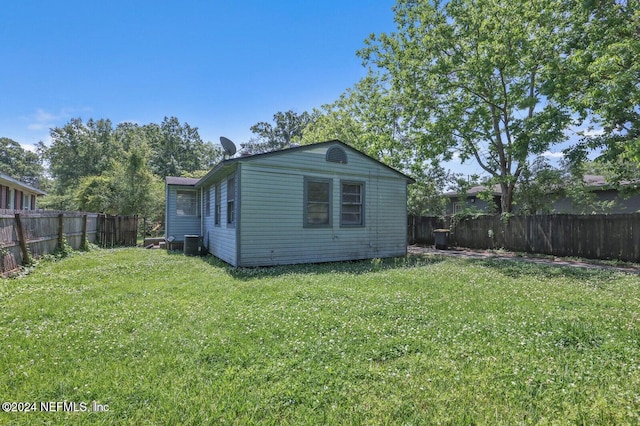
{"x": 231, "y": 161}
{"x": 4, "y": 179}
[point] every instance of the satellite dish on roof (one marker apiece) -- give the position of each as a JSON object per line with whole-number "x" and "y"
{"x": 228, "y": 146}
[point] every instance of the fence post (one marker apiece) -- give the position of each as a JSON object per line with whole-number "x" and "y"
{"x": 100, "y": 230}
{"x": 24, "y": 250}
{"x": 60, "y": 230}
{"x": 84, "y": 244}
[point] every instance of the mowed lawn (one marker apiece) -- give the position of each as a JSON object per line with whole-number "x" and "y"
{"x": 158, "y": 338}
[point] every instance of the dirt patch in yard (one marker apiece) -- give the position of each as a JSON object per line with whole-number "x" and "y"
{"x": 524, "y": 257}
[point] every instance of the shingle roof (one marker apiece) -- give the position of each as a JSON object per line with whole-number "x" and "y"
{"x": 21, "y": 185}
{"x": 284, "y": 151}
{"x": 594, "y": 182}
{"x": 175, "y": 180}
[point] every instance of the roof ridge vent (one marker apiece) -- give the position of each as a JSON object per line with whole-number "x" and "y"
{"x": 336, "y": 154}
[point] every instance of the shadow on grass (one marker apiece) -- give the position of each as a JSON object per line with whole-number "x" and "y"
{"x": 509, "y": 267}
{"x": 347, "y": 267}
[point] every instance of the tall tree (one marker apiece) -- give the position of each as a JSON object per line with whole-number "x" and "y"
{"x": 470, "y": 76}
{"x": 289, "y": 128}
{"x": 599, "y": 77}
{"x": 369, "y": 118}
{"x": 19, "y": 163}
{"x": 78, "y": 150}
{"x": 177, "y": 148}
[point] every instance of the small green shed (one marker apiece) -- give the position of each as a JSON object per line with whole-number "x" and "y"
{"x": 314, "y": 203}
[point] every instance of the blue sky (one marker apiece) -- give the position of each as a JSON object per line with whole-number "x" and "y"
{"x": 221, "y": 66}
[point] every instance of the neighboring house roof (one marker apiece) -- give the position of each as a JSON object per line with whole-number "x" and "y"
{"x": 474, "y": 191}
{"x": 226, "y": 163}
{"x": 9, "y": 181}
{"x": 593, "y": 182}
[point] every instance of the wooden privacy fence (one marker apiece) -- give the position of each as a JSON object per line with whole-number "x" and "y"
{"x": 607, "y": 236}
{"x": 114, "y": 231}
{"x": 29, "y": 235}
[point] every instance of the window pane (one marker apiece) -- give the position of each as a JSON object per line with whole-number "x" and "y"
{"x": 351, "y": 209}
{"x": 218, "y": 207}
{"x": 186, "y": 203}
{"x": 231, "y": 189}
{"x": 231, "y": 196}
{"x": 318, "y": 191}
{"x": 351, "y": 198}
{"x": 317, "y": 202}
{"x": 318, "y": 213}
{"x": 351, "y": 219}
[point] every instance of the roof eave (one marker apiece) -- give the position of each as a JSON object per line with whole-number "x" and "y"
{"x": 22, "y": 185}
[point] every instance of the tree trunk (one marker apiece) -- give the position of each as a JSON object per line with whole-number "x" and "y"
{"x": 506, "y": 200}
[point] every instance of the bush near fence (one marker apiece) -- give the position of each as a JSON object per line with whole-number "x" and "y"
{"x": 27, "y": 235}
{"x": 605, "y": 236}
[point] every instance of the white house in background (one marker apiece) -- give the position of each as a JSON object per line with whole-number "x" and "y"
{"x": 314, "y": 203}
{"x": 16, "y": 195}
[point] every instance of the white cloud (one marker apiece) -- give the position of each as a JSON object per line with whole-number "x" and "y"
{"x": 549, "y": 154}
{"x": 44, "y": 120}
{"x": 593, "y": 132}
{"x": 28, "y": 147}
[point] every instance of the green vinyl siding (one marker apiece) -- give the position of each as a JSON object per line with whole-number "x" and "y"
{"x": 295, "y": 206}
{"x": 273, "y": 210}
{"x": 220, "y": 239}
{"x": 176, "y": 223}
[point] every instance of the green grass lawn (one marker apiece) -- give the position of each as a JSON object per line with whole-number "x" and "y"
{"x": 166, "y": 339}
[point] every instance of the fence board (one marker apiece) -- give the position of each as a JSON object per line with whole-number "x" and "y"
{"x": 43, "y": 230}
{"x": 613, "y": 236}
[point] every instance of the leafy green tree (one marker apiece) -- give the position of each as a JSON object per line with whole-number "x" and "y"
{"x": 19, "y": 163}
{"x": 136, "y": 188}
{"x": 470, "y": 78}
{"x": 121, "y": 170}
{"x": 540, "y": 184}
{"x": 598, "y": 75}
{"x": 177, "y": 148}
{"x": 97, "y": 194}
{"x": 67, "y": 201}
{"x": 368, "y": 117}
{"x": 288, "y": 129}
{"x": 78, "y": 150}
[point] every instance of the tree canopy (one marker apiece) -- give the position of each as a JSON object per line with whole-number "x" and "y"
{"x": 494, "y": 82}
{"x": 97, "y": 167}
{"x": 471, "y": 79}
{"x": 288, "y": 129}
{"x": 599, "y": 77}
{"x": 18, "y": 163}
